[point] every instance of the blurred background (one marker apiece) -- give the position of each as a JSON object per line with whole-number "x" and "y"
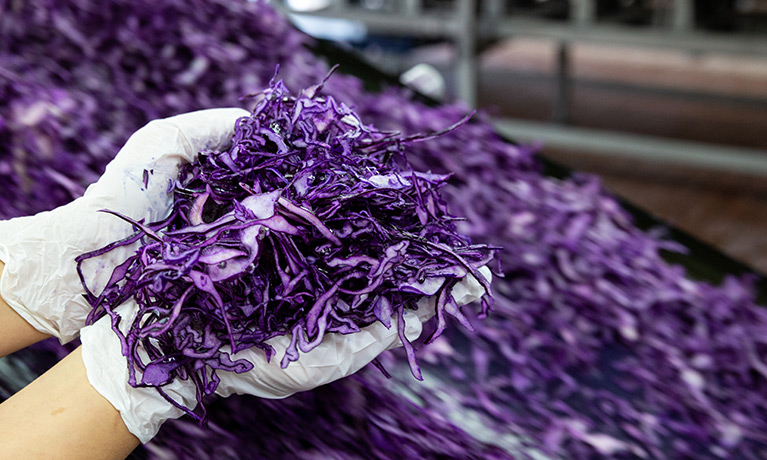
{"x": 665, "y": 99}
{"x": 599, "y": 343}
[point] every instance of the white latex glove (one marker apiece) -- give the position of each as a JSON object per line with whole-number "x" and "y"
{"x": 40, "y": 280}
{"x": 338, "y": 356}
{"x": 143, "y": 409}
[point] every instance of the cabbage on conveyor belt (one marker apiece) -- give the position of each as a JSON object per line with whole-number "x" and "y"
{"x": 613, "y": 335}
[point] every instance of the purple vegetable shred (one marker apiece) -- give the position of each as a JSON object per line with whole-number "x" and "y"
{"x": 310, "y": 223}
{"x": 597, "y": 347}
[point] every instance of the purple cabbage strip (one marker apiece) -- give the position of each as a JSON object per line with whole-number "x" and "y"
{"x": 374, "y": 423}
{"x": 596, "y": 348}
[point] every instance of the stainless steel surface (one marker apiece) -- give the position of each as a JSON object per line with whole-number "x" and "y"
{"x": 584, "y": 12}
{"x": 654, "y": 37}
{"x": 639, "y": 147}
{"x": 466, "y": 66}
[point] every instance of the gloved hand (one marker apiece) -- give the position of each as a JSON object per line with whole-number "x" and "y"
{"x": 144, "y": 410}
{"x": 40, "y": 280}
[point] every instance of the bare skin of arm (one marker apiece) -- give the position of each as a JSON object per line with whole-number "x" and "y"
{"x": 61, "y": 416}
{"x": 15, "y": 332}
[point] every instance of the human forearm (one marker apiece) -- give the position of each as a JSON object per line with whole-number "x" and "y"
{"x": 15, "y": 332}
{"x": 61, "y": 416}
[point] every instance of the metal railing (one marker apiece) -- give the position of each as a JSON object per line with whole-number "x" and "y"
{"x": 466, "y": 22}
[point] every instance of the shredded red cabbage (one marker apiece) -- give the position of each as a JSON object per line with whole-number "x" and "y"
{"x": 596, "y": 348}
{"x": 310, "y": 223}
{"x": 77, "y": 78}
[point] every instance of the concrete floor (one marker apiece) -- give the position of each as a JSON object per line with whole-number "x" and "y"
{"x": 714, "y": 99}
